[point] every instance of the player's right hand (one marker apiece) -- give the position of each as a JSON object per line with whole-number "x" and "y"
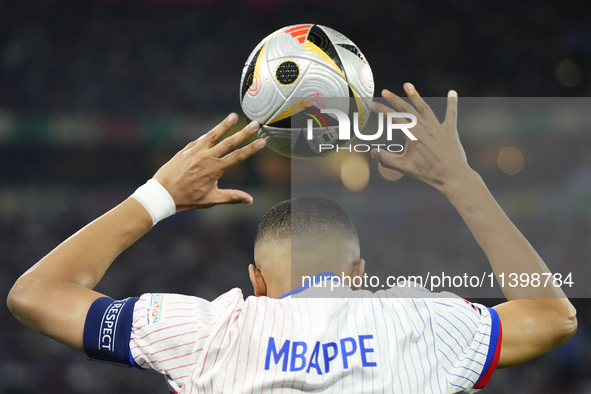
{"x": 191, "y": 176}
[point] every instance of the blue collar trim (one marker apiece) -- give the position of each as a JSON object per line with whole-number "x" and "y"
{"x": 318, "y": 278}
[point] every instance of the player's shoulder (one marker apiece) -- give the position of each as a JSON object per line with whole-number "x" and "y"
{"x": 435, "y": 303}
{"x": 229, "y": 297}
{"x": 414, "y": 290}
{"x": 156, "y": 303}
{"x": 234, "y": 293}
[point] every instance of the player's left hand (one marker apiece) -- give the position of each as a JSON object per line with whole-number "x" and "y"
{"x": 437, "y": 157}
{"x": 191, "y": 176}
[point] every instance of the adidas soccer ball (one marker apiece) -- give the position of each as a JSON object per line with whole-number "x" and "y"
{"x": 292, "y": 75}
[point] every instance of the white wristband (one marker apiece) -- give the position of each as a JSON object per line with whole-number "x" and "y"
{"x": 156, "y": 199}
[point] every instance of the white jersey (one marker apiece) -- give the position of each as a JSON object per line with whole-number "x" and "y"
{"x": 399, "y": 340}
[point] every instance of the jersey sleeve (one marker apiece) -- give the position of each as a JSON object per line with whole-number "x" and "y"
{"x": 469, "y": 342}
{"x": 164, "y": 332}
{"x": 171, "y": 332}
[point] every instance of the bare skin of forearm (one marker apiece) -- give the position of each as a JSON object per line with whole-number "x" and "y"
{"x": 76, "y": 265}
{"x": 535, "y": 319}
{"x": 55, "y": 295}
{"x": 537, "y": 310}
{"x": 97, "y": 244}
{"x": 506, "y": 248}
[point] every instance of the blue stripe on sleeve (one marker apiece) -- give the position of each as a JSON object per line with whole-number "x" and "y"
{"x": 494, "y": 337}
{"x": 133, "y": 363}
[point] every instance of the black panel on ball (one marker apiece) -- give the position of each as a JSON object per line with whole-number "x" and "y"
{"x": 318, "y": 37}
{"x": 353, "y": 49}
{"x": 248, "y": 77}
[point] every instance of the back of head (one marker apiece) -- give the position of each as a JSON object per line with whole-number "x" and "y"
{"x": 305, "y": 236}
{"x": 310, "y": 220}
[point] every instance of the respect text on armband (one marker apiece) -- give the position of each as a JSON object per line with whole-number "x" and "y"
{"x": 108, "y": 325}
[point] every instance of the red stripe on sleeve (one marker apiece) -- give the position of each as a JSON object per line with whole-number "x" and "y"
{"x": 485, "y": 377}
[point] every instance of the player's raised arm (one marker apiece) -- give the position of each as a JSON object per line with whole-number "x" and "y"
{"x": 534, "y": 320}
{"x": 54, "y": 296}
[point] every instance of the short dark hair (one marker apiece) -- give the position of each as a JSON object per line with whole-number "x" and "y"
{"x": 308, "y": 217}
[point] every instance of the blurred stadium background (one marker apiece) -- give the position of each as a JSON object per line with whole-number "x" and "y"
{"x": 95, "y": 95}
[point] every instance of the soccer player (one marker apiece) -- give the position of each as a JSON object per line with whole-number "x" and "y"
{"x": 289, "y": 338}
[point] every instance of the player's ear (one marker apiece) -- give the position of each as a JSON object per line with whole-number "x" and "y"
{"x": 258, "y": 283}
{"x": 357, "y": 270}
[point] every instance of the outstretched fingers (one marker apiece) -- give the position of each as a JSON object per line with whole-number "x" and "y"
{"x": 395, "y": 161}
{"x": 377, "y": 107}
{"x": 418, "y": 102}
{"x": 398, "y": 103}
{"x": 451, "y": 114}
{"x": 239, "y": 155}
{"x": 381, "y": 108}
{"x": 232, "y": 196}
{"x": 233, "y": 141}
{"x": 213, "y": 136}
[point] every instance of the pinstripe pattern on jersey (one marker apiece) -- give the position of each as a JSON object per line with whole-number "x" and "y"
{"x": 421, "y": 343}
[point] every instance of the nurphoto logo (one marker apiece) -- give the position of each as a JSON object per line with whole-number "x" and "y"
{"x": 345, "y": 130}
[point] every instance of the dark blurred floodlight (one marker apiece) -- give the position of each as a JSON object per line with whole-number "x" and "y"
{"x": 510, "y": 160}
{"x": 568, "y": 73}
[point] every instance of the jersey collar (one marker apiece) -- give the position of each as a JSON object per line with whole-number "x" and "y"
{"x": 318, "y": 278}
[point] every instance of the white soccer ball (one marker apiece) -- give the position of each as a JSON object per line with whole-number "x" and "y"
{"x": 292, "y": 75}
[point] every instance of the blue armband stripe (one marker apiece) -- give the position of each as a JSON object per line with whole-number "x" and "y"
{"x": 107, "y": 330}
